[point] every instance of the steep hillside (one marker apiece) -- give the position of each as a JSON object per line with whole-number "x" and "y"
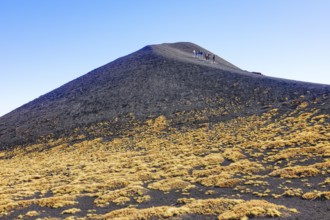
{"x": 162, "y": 133}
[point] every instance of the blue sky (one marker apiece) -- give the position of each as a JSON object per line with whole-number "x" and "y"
{"x": 46, "y": 43}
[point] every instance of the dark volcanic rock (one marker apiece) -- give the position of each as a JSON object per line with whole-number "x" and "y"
{"x": 158, "y": 79}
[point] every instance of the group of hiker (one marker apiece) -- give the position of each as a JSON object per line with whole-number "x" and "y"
{"x": 205, "y": 55}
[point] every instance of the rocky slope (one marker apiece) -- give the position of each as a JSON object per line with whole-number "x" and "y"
{"x": 156, "y": 80}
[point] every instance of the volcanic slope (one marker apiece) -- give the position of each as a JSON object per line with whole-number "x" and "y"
{"x": 161, "y": 133}
{"x": 156, "y": 80}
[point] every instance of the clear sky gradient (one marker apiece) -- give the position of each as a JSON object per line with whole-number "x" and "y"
{"x": 46, "y": 43}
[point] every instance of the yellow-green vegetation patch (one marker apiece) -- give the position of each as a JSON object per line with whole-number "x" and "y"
{"x": 171, "y": 184}
{"x": 316, "y": 194}
{"x": 120, "y": 196}
{"x": 222, "y": 180}
{"x": 224, "y": 208}
{"x": 256, "y": 208}
{"x": 241, "y": 155}
{"x": 296, "y": 172}
{"x": 32, "y": 214}
{"x": 70, "y": 211}
{"x": 50, "y": 202}
{"x": 322, "y": 149}
{"x": 233, "y": 154}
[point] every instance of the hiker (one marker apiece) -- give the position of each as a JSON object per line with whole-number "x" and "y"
{"x": 213, "y": 58}
{"x": 195, "y": 53}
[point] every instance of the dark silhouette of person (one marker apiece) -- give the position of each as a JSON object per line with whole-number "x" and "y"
{"x": 213, "y": 58}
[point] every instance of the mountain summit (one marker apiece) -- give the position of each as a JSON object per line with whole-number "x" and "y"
{"x": 156, "y": 80}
